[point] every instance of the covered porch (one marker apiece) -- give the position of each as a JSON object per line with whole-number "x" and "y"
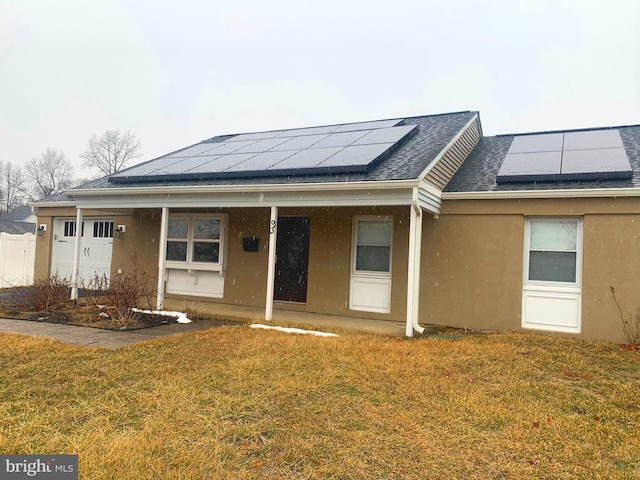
{"x": 245, "y": 285}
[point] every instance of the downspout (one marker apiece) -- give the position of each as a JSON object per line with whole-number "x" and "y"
{"x": 413, "y": 274}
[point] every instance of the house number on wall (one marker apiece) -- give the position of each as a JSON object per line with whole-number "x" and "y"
{"x": 272, "y": 226}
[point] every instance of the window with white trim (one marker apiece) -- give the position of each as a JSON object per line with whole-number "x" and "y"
{"x": 373, "y": 246}
{"x": 195, "y": 241}
{"x": 553, "y": 253}
{"x": 70, "y": 228}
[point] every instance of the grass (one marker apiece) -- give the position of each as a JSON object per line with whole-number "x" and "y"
{"x": 233, "y": 402}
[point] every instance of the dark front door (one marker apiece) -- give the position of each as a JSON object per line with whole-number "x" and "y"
{"x": 292, "y": 259}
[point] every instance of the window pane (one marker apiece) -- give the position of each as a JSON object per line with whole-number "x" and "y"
{"x": 206, "y": 252}
{"x": 178, "y": 228}
{"x": 206, "y": 229}
{"x": 373, "y": 259}
{"x": 547, "y": 235}
{"x": 552, "y": 266}
{"x": 177, "y": 251}
{"x": 374, "y": 233}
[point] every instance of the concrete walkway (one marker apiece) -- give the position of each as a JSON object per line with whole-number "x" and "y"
{"x": 96, "y": 337}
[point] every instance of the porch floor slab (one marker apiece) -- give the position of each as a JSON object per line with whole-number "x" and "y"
{"x": 294, "y": 318}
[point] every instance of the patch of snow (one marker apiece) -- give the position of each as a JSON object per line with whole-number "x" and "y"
{"x": 180, "y": 317}
{"x": 293, "y": 330}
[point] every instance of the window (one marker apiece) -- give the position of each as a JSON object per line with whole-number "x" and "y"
{"x": 102, "y": 229}
{"x": 194, "y": 240}
{"x": 70, "y": 228}
{"x": 373, "y": 246}
{"x": 553, "y": 251}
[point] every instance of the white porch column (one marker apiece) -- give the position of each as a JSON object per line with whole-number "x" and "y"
{"x": 76, "y": 256}
{"x": 271, "y": 268}
{"x": 162, "y": 250}
{"x": 413, "y": 278}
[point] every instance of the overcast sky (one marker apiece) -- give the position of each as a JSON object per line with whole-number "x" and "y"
{"x": 175, "y": 73}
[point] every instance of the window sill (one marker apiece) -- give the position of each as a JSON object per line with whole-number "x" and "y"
{"x": 194, "y": 266}
{"x": 552, "y": 287}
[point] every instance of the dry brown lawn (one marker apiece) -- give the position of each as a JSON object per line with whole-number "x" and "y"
{"x": 239, "y": 403}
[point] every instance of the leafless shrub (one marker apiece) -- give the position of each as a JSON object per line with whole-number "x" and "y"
{"x": 630, "y": 322}
{"x": 131, "y": 288}
{"x": 46, "y": 294}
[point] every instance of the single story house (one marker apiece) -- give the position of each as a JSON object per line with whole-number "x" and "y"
{"x": 419, "y": 219}
{"x": 22, "y": 213}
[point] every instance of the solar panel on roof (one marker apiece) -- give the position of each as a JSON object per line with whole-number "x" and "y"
{"x": 254, "y": 136}
{"x": 523, "y": 166}
{"x": 586, "y": 155}
{"x": 262, "y": 145}
{"x": 537, "y": 143}
{"x": 350, "y": 127}
{"x": 231, "y": 147}
{"x": 306, "y": 158}
{"x": 299, "y": 132}
{"x": 340, "y": 139}
{"x": 299, "y": 143}
{"x": 196, "y": 150}
{"x": 221, "y": 163}
{"x": 147, "y": 168}
{"x": 598, "y": 161}
{"x": 385, "y": 135}
{"x": 315, "y": 150}
{"x": 184, "y": 165}
{"x": 356, "y": 155}
{"x": 262, "y": 161}
{"x": 592, "y": 140}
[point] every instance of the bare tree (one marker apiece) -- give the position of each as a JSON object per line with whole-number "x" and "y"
{"x": 48, "y": 174}
{"x": 111, "y": 152}
{"x": 12, "y": 186}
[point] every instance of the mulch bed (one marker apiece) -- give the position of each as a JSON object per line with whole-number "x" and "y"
{"x": 87, "y": 316}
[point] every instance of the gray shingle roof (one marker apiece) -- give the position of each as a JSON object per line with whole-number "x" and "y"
{"x": 18, "y": 228}
{"x": 17, "y": 214}
{"x": 478, "y": 172}
{"x": 434, "y": 133}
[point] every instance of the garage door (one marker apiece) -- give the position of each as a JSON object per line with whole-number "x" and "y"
{"x": 95, "y": 250}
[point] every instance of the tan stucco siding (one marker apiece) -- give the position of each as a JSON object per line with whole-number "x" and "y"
{"x": 472, "y": 271}
{"x": 474, "y": 258}
{"x": 611, "y": 258}
{"x": 138, "y": 244}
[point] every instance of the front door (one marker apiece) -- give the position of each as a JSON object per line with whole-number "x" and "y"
{"x": 292, "y": 259}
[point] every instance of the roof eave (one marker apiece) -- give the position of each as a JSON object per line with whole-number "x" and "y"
{"x": 241, "y": 188}
{"x": 522, "y": 194}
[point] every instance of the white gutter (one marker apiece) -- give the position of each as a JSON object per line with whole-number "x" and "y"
{"x": 37, "y": 205}
{"x": 413, "y": 270}
{"x": 522, "y": 194}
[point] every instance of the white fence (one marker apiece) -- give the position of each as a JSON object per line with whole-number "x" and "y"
{"x": 17, "y": 259}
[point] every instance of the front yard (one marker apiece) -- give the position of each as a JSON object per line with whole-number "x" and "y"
{"x": 233, "y": 402}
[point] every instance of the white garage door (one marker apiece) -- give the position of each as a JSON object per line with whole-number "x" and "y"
{"x": 95, "y": 250}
